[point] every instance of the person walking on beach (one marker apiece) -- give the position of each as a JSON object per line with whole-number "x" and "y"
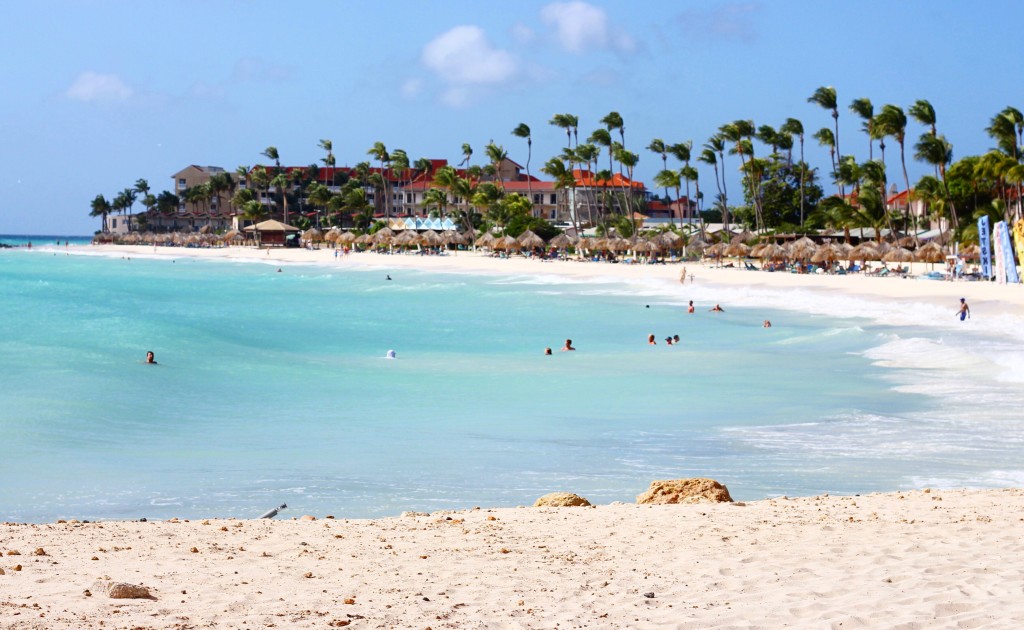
{"x": 965, "y": 311}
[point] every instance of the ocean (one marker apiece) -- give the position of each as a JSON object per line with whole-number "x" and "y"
{"x": 272, "y": 387}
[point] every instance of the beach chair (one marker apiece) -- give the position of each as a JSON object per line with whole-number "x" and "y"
{"x": 750, "y": 267}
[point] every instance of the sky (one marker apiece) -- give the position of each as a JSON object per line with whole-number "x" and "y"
{"x": 99, "y": 93}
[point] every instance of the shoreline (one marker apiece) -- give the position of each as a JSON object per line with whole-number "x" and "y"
{"x": 927, "y": 558}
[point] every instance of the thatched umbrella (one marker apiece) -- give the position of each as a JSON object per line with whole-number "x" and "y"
{"x": 737, "y": 249}
{"x": 206, "y": 229}
{"x": 230, "y": 235}
{"x": 529, "y": 240}
{"x": 827, "y": 253}
{"x": 971, "y": 252}
{"x": 716, "y": 250}
{"x": 562, "y": 241}
{"x": 383, "y": 236}
{"x": 802, "y": 249}
{"x": 772, "y": 251}
{"x": 364, "y": 239}
{"x": 506, "y": 243}
{"x": 617, "y": 244}
{"x": 882, "y": 248}
{"x": 931, "y": 252}
{"x": 332, "y": 235}
{"x": 669, "y": 240}
{"x": 430, "y": 238}
{"x": 451, "y": 237}
{"x": 844, "y": 250}
{"x": 408, "y": 237}
{"x": 485, "y": 240}
{"x": 312, "y": 235}
{"x": 742, "y": 237}
{"x": 898, "y": 255}
{"x": 346, "y": 238}
{"x": 865, "y": 251}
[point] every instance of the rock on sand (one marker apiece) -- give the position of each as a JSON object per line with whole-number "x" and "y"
{"x": 698, "y": 490}
{"x": 561, "y": 499}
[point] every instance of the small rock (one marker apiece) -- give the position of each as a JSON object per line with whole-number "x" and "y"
{"x": 142, "y": 520}
{"x": 561, "y": 499}
{"x": 307, "y": 574}
{"x": 649, "y": 595}
{"x": 16, "y": 567}
{"x": 688, "y": 491}
{"x": 13, "y": 552}
{"x": 2, "y": 572}
{"x": 350, "y": 600}
{"x": 124, "y": 590}
{"x": 94, "y": 558}
{"x": 223, "y": 529}
{"x": 194, "y": 550}
{"x": 413, "y": 514}
{"x": 307, "y": 517}
{"x": 87, "y": 593}
{"x": 39, "y": 552}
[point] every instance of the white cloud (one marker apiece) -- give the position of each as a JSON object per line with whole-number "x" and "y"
{"x": 463, "y": 55}
{"x": 92, "y": 86}
{"x": 581, "y": 26}
{"x": 522, "y": 33}
{"x": 412, "y": 88}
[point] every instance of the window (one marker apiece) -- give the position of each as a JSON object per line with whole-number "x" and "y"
{"x": 113, "y": 224}
{"x": 537, "y": 198}
{"x": 181, "y": 183}
{"x": 553, "y": 198}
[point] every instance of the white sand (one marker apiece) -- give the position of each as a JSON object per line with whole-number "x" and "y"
{"x": 904, "y": 560}
{"x": 910, "y": 560}
{"x": 988, "y": 295}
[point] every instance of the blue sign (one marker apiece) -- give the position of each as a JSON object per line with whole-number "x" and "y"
{"x": 986, "y": 248}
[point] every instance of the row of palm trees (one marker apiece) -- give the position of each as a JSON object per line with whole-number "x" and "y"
{"x": 477, "y": 192}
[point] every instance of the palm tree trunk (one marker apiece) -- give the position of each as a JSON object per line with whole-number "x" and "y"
{"x": 803, "y": 172}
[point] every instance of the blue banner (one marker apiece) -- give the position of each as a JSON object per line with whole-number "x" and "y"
{"x": 1003, "y": 231}
{"x": 986, "y": 248}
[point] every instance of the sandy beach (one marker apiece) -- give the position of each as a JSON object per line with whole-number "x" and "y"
{"x": 925, "y": 559}
{"x": 921, "y": 559}
{"x": 991, "y": 296}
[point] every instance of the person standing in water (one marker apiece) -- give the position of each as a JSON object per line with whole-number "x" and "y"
{"x": 965, "y": 311}
{"x": 689, "y": 309}
{"x": 150, "y": 357}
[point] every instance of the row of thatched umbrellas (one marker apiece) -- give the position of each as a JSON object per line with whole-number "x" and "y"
{"x": 806, "y": 249}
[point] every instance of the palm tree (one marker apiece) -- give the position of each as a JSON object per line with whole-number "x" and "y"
{"x": 658, "y": 146}
{"x": 320, "y": 196}
{"x": 668, "y": 178}
{"x": 563, "y": 179}
{"x": 436, "y": 197}
{"x": 714, "y": 150}
{"x": 863, "y": 108}
{"x": 271, "y": 154}
{"x": 380, "y": 153}
{"x": 681, "y": 151}
{"x": 614, "y": 121}
{"x": 281, "y": 183}
{"x": 923, "y": 112}
{"x": 893, "y": 122}
{"x": 564, "y": 121}
{"x": 467, "y": 152}
{"x": 826, "y": 138}
{"x": 937, "y": 151}
{"x": 629, "y": 160}
{"x": 601, "y": 137}
{"x": 101, "y": 208}
{"x": 739, "y": 133}
{"x": 825, "y": 97}
{"x": 523, "y": 131}
{"x": 793, "y": 127}
{"x": 400, "y": 168}
{"x": 588, "y": 153}
{"x": 496, "y": 154}
{"x": 1007, "y": 128}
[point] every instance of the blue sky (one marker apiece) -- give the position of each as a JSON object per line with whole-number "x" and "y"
{"x": 116, "y": 90}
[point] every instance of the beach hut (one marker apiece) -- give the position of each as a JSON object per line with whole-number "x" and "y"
{"x": 271, "y": 232}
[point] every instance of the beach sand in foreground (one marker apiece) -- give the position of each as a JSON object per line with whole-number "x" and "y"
{"x": 924, "y": 559}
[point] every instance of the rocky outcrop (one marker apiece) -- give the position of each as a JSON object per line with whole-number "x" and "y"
{"x": 561, "y": 499}
{"x": 698, "y": 490}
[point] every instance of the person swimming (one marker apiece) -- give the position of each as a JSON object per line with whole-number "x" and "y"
{"x": 651, "y": 341}
{"x": 717, "y": 309}
{"x": 767, "y": 323}
{"x": 547, "y": 351}
{"x": 388, "y": 277}
{"x": 150, "y": 357}
{"x": 390, "y": 355}
{"x": 568, "y": 346}
{"x": 675, "y": 340}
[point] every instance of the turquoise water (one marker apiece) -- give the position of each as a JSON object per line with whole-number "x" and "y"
{"x": 272, "y": 388}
